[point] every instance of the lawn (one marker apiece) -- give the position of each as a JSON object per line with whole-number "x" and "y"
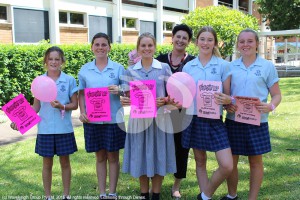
{"x": 20, "y": 167}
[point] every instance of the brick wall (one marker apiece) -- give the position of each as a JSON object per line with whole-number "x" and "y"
{"x": 6, "y": 34}
{"x": 204, "y": 3}
{"x": 167, "y": 38}
{"x": 71, "y": 35}
{"x": 130, "y": 36}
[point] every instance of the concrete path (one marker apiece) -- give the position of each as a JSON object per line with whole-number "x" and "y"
{"x": 8, "y": 136}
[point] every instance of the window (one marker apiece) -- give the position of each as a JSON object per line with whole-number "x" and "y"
{"x": 228, "y": 3}
{"x": 168, "y": 26}
{"x": 3, "y": 13}
{"x": 128, "y": 23}
{"x": 71, "y": 18}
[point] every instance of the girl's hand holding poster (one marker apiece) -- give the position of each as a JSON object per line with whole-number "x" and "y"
{"x": 143, "y": 99}
{"x": 206, "y": 105}
{"x": 247, "y": 112}
{"x": 97, "y": 104}
{"x": 20, "y": 112}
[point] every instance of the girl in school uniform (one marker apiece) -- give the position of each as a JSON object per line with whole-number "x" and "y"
{"x": 103, "y": 138}
{"x": 149, "y": 152}
{"x": 251, "y": 76}
{"x": 205, "y": 134}
{"x": 55, "y": 131}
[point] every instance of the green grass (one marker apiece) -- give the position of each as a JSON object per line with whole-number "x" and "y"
{"x": 20, "y": 167}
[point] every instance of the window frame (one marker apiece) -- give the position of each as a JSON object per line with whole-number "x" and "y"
{"x": 68, "y": 23}
{"x": 8, "y": 14}
{"x": 124, "y": 23}
{"x": 165, "y": 26}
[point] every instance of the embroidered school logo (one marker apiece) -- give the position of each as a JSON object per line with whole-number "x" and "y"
{"x": 63, "y": 88}
{"x": 213, "y": 71}
{"x": 257, "y": 73}
{"x": 112, "y": 75}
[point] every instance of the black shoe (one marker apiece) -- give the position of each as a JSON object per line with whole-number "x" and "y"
{"x": 226, "y": 198}
{"x": 199, "y": 197}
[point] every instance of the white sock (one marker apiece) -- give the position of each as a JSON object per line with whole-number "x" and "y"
{"x": 112, "y": 194}
{"x": 231, "y": 197}
{"x": 204, "y": 197}
{"x": 103, "y": 195}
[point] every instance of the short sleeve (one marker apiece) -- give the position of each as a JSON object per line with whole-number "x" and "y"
{"x": 73, "y": 86}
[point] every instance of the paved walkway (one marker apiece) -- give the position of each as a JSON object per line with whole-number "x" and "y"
{"x": 8, "y": 136}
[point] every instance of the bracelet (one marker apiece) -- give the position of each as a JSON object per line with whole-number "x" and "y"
{"x": 232, "y": 100}
{"x": 62, "y": 112}
{"x": 273, "y": 108}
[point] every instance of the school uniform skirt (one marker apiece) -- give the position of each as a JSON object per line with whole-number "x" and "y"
{"x": 205, "y": 134}
{"x": 48, "y": 145}
{"x": 109, "y": 137}
{"x": 247, "y": 139}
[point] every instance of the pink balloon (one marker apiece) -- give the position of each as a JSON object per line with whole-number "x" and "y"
{"x": 44, "y": 89}
{"x": 182, "y": 87}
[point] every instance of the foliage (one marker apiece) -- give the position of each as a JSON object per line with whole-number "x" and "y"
{"x": 279, "y": 14}
{"x": 21, "y": 168}
{"x": 20, "y": 64}
{"x": 226, "y": 22}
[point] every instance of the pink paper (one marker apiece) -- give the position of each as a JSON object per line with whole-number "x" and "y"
{"x": 97, "y": 104}
{"x": 206, "y": 105}
{"x": 143, "y": 99}
{"x": 247, "y": 112}
{"x": 19, "y": 111}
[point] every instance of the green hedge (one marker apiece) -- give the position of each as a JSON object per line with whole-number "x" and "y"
{"x": 20, "y": 64}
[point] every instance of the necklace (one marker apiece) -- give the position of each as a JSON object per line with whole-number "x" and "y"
{"x": 179, "y": 64}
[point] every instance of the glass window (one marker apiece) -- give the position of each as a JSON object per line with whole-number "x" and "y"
{"x": 128, "y": 23}
{"x": 63, "y": 17}
{"x": 76, "y": 18}
{"x": 3, "y": 13}
{"x": 168, "y": 26}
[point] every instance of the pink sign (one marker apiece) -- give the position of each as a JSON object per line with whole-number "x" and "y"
{"x": 143, "y": 99}
{"x": 97, "y": 104}
{"x": 19, "y": 111}
{"x": 206, "y": 105}
{"x": 247, "y": 112}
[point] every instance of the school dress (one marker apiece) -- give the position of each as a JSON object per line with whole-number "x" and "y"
{"x": 253, "y": 81}
{"x": 177, "y": 118}
{"x": 104, "y": 135}
{"x": 149, "y": 146}
{"x": 56, "y": 134}
{"x": 203, "y": 133}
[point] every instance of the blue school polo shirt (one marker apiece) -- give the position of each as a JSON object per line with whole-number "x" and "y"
{"x": 216, "y": 69}
{"x": 51, "y": 120}
{"x": 253, "y": 81}
{"x": 91, "y": 77}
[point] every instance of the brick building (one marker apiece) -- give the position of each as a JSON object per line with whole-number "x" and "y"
{"x": 76, "y": 21}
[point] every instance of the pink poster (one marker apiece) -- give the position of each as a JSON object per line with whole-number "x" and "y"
{"x": 206, "y": 105}
{"x": 247, "y": 112}
{"x": 97, "y": 104}
{"x": 19, "y": 111}
{"x": 143, "y": 99}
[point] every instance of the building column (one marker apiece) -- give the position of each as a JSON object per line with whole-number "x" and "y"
{"x": 235, "y": 4}
{"x": 250, "y": 7}
{"x": 159, "y": 22}
{"x": 117, "y": 21}
{"x": 54, "y": 22}
{"x": 192, "y": 5}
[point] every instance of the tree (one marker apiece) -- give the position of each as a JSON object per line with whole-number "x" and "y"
{"x": 226, "y": 22}
{"x": 280, "y": 14}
